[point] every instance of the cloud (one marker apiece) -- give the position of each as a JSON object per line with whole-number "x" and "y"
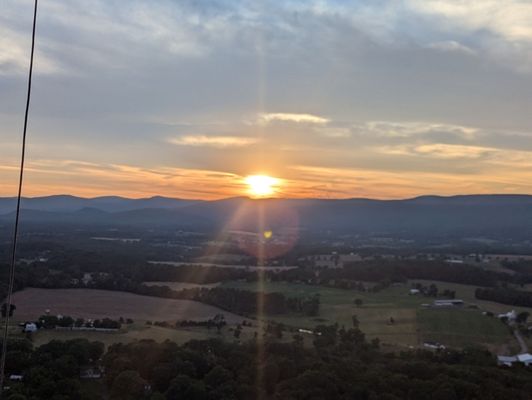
{"x": 213, "y": 141}
{"x": 449, "y": 151}
{"x": 452, "y": 45}
{"x": 411, "y": 129}
{"x": 511, "y": 19}
{"x": 290, "y": 117}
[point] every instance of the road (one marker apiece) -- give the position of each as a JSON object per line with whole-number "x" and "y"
{"x": 520, "y": 340}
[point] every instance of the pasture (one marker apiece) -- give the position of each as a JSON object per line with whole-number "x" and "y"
{"x": 412, "y": 324}
{"x": 392, "y": 315}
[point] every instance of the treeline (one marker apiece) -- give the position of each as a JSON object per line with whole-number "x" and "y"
{"x": 505, "y": 296}
{"x": 238, "y": 301}
{"x": 65, "y": 321}
{"x": 191, "y": 273}
{"x": 401, "y": 271}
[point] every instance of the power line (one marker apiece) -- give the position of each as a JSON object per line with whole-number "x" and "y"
{"x": 17, "y": 214}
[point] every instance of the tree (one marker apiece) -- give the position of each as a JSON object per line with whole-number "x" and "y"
{"x": 522, "y": 317}
{"x": 183, "y": 387}
{"x": 11, "y": 310}
{"x": 218, "y": 376}
{"x": 237, "y": 332}
{"x": 355, "y": 320}
{"x": 128, "y": 385}
{"x": 359, "y": 302}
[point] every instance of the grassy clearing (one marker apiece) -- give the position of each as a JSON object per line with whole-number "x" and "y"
{"x": 459, "y": 328}
{"x": 412, "y": 324}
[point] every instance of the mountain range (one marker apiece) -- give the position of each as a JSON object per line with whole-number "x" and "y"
{"x": 491, "y": 215}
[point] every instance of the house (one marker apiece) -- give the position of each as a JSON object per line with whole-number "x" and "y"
{"x": 448, "y": 303}
{"x": 506, "y": 360}
{"x": 30, "y": 327}
{"x": 525, "y": 358}
{"x": 510, "y": 316}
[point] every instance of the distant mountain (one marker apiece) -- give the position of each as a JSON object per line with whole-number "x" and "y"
{"x": 479, "y": 215}
{"x": 67, "y": 203}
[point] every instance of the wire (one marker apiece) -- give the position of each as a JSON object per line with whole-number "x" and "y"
{"x": 17, "y": 214}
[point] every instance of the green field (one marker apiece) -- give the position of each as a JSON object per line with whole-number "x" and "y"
{"x": 413, "y": 324}
{"x": 460, "y": 328}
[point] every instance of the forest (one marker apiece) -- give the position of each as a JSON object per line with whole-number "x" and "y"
{"x": 340, "y": 364}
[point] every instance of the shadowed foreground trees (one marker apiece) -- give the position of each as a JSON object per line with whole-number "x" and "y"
{"x": 340, "y": 364}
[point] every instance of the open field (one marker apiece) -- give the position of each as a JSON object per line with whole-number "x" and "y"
{"x": 181, "y": 285}
{"x": 89, "y": 303}
{"x": 456, "y": 327}
{"x": 412, "y": 324}
{"x": 467, "y": 293}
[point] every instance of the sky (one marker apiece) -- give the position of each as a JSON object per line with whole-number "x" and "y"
{"x": 336, "y": 99}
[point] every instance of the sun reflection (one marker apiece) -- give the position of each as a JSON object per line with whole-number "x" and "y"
{"x": 262, "y": 185}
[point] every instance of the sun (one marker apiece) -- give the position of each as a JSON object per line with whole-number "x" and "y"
{"x": 261, "y": 185}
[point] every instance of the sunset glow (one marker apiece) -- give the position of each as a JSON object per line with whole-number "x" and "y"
{"x": 261, "y": 185}
{"x": 329, "y": 138}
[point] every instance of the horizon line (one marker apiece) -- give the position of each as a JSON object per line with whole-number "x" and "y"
{"x": 272, "y": 197}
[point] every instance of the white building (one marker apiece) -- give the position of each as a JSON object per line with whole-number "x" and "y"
{"x": 448, "y": 303}
{"x": 30, "y": 327}
{"x": 434, "y": 345}
{"x": 511, "y": 315}
{"x": 525, "y": 358}
{"x": 506, "y": 360}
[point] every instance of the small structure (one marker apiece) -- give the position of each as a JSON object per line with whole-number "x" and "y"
{"x": 506, "y": 360}
{"x": 510, "y": 315}
{"x": 448, "y": 303}
{"x": 413, "y": 291}
{"x": 30, "y": 327}
{"x": 525, "y": 358}
{"x": 15, "y": 377}
{"x": 434, "y": 345}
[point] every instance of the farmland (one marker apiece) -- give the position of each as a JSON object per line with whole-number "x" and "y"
{"x": 90, "y": 303}
{"x": 392, "y": 315}
{"x": 412, "y": 324}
